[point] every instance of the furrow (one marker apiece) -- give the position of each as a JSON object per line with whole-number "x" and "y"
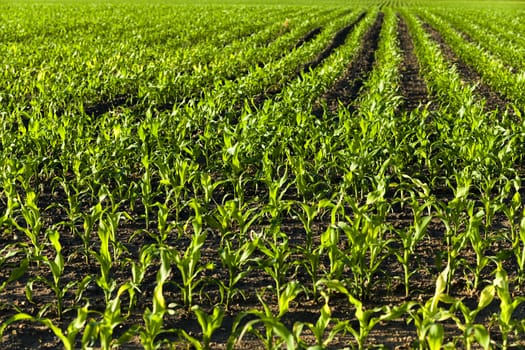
{"x": 104, "y": 107}
{"x": 347, "y": 88}
{"x": 311, "y": 35}
{"x": 493, "y": 99}
{"x": 338, "y": 40}
{"x": 412, "y": 85}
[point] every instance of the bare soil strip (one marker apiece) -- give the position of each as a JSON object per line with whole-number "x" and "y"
{"x": 347, "y": 88}
{"x": 311, "y": 35}
{"x": 412, "y": 85}
{"x": 493, "y": 99}
{"x": 473, "y": 41}
{"x": 128, "y": 100}
{"x": 338, "y": 40}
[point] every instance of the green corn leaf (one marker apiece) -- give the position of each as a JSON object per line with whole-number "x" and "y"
{"x": 481, "y": 335}
{"x": 435, "y": 335}
{"x": 16, "y": 318}
{"x": 486, "y": 297}
{"x": 441, "y": 285}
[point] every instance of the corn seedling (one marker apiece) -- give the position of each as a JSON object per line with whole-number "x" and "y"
{"x": 188, "y": 262}
{"x": 208, "y": 324}
{"x": 237, "y": 262}
{"x": 67, "y": 337}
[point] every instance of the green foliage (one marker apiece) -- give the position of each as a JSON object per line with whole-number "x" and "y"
{"x": 191, "y": 168}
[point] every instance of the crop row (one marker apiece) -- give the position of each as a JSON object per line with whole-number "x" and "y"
{"x": 257, "y": 181}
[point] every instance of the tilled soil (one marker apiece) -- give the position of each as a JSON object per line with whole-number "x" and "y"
{"x": 468, "y": 74}
{"x": 386, "y": 290}
{"x": 413, "y": 87}
{"x": 308, "y": 37}
{"x": 387, "y": 287}
{"x": 338, "y": 40}
{"x": 347, "y": 88}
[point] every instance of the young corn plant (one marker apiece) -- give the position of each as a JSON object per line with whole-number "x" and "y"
{"x": 237, "y": 262}
{"x": 68, "y": 337}
{"x": 276, "y": 204}
{"x": 7, "y": 252}
{"x": 231, "y": 154}
{"x": 231, "y": 218}
{"x": 12, "y": 203}
{"x": 56, "y": 266}
{"x": 146, "y": 188}
{"x": 208, "y": 323}
{"x": 367, "y": 319}
{"x": 512, "y": 211}
{"x": 427, "y": 317}
{"x": 103, "y": 329}
{"x": 519, "y": 249}
{"x": 323, "y": 333}
{"x": 164, "y": 226}
{"x": 90, "y": 218}
{"x": 453, "y": 216}
{"x": 110, "y": 223}
{"x": 189, "y": 265}
{"x": 410, "y": 237}
{"x": 311, "y": 255}
{"x": 208, "y": 186}
{"x": 154, "y": 317}
{"x": 515, "y": 213}
{"x": 479, "y": 245}
{"x": 472, "y": 331}
{"x": 276, "y": 334}
{"x": 176, "y": 175}
{"x": 365, "y": 236}
{"x": 277, "y": 263}
{"x": 330, "y": 242}
{"x": 508, "y": 305}
{"x": 486, "y": 187}
{"x": 188, "y": 262}
{"x": 138, "y": 272}
{"x": 303, "y": 179}
{"x": 34, "y": 224}
{"x": 104, "y": 257}
{"x": 307, "y": 214}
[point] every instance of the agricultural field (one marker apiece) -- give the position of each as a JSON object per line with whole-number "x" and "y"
{"x": 260, "y": 175}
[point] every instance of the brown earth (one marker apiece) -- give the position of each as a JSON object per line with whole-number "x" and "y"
{"x": 338, "y": 40}
{"x": 413, "y": 87}
{"x": 468, "y": 74}
{"x": 346, "y": 89}
{"x": 386, "y": 288}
